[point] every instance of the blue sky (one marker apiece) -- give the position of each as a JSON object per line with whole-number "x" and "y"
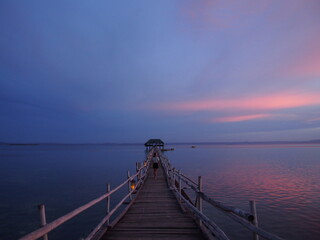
{"x": 127, "y": 71}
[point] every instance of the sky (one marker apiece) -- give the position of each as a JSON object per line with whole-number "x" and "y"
{"x": 179, "y": 70}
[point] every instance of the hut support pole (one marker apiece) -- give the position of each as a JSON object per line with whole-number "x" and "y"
{"x": 255, "y": 221}
{"x": 43, "y": 220}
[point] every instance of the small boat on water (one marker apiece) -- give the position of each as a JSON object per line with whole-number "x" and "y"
{"x": 193, "y": 146}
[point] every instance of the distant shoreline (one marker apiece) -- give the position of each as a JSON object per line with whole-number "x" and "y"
{"x": 248, "y": 143}
{"x": 317, "y": 141}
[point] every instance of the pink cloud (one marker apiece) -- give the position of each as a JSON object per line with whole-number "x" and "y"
{"x": 240, "y": 118}
{"x": 268, "y": 102}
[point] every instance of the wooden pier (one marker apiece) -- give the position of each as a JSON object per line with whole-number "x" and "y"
{"x": 155, "y": 214}
{"x": 157, "y": 208}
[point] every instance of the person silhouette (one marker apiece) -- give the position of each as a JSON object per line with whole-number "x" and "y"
{"x": 155, "y": 165}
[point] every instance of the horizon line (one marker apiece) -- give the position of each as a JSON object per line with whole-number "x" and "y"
{"x": 172, "y": 143}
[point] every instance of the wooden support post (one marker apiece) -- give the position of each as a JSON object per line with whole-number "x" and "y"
{"x": 129, "y": 184}
{"x": 179, "y": 172}
{"x": 43, "y": 220}
{"x": 140, "y": 165}
{"x": 199, "y": 199}
{"x": 137, "y": 170}
{"x": 145, "y": 164}
{"x": 255, "y": 220}
{"x": 174, "y": 177}
{"x": 108, "y": 201}
{"x": 200, "y": 190}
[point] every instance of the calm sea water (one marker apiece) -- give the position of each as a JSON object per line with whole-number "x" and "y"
{"x": 282, "y": 179}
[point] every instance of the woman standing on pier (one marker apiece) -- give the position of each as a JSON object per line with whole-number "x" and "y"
{"x": 155, "y": 165}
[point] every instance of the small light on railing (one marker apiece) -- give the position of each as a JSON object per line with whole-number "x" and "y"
{"x": 145, "y": 163}
{"x": 133, "y": 184}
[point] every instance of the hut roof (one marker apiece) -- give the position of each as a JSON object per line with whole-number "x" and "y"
{"x": 154, "y": 142}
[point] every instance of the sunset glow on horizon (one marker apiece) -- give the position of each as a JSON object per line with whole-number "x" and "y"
{"x": 240, "y": 118}
{"x": 268, "y": 102}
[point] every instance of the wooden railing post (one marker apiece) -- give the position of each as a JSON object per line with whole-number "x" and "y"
{"x": 137, "y": 170}
{"x": 255, "y": 220}
{"x": 199, "y": 200}
{"x": 108, "y": 201}
{"x": 179, "y": 175}
{"x": 174, "y": 177}
{"x": 129, "y": 184}
{"x": 141, "y": 169}
{"x": 43, "y": 220}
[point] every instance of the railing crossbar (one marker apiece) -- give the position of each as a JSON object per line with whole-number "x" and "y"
{"x": 251, "y": 227}
{"x": 186, "y": 179}
{"x": 193, "y": 185}
{"x": 105, "y": 219}
{"x": 241, "y": 213}
{"x": 209, "y": 223}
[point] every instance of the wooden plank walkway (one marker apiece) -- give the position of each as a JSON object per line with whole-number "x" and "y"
{"x": 155, "y": 214}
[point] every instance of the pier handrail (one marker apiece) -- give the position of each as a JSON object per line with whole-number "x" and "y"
{"x": 171, "y": 173}
{"x": 107, "y": 217}
{"x": 212, "y": 226}
{"x": 186, "y": 179}
{"x": 241, "y": 213}
{"x": 175, "y": 179}
{"x": 142, "y": 171}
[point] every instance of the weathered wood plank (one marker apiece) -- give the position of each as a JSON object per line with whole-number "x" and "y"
{"x": 156, "y": 224}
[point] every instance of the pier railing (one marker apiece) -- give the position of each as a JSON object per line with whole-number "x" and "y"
{"x": 133, "y": 183}
{"x": 179, "y": 182}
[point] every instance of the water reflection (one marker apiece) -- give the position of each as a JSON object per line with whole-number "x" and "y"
{"x": 283, "y": 181}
